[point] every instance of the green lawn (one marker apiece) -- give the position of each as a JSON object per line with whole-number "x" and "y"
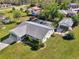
{"x": 57, "y": 48}
{"x": 4, "y": 32}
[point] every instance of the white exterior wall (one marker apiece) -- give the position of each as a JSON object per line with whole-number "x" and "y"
{"x": 47, "y": 36}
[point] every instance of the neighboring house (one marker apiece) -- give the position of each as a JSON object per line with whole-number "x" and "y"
{"x": 35, "y": 30}
{"x": 5, "y": 5}
{"x": 69, "y": 11}
{"x": 74, "y": 7}
{"x": 6, "y": 20}
{"x": 65, "y": 25}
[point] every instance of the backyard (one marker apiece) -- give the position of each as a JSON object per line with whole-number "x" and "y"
{"x": 56, "y": 48}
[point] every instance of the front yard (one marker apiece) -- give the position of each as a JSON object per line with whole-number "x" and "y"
{"x": 57, "y": 48}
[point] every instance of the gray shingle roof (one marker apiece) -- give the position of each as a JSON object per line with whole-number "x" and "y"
{"x": 19, "y": 31}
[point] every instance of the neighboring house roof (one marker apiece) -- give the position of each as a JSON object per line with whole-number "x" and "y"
{"x": 75, "y": 9}
{"x": 33, "y": 29}
{"x": 66, "y": 22}
{"x": 73, "y": 5}
{"x": 67, "y": 11}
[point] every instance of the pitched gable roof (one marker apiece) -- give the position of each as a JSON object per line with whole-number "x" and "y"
{"x": 37, "y": 30}
{"x": 20, "y": 30}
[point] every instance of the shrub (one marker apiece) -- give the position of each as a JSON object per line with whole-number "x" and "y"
{"x": 21, "y": 9}
{"x": 16, "y": 14}
{"x": 37, "y": 44}
{"x": 13, "y": 8}
{"x": 64, "y": 6}
{"x": 42, "y": 45}
{"x": 30, "y": 39}
{"x": 32, "y": 5}
{"x": 69, "y": 36}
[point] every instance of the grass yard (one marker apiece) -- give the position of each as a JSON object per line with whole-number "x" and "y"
{"x": 57, "y": 48}
{"x": 4, "y": 32}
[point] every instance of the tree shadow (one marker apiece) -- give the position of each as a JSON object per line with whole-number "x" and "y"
{"x": 69, "y": 37}
{"x": 30, "y": 44}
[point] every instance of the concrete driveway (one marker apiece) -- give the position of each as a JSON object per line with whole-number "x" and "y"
{"x": 6, "y": 42}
